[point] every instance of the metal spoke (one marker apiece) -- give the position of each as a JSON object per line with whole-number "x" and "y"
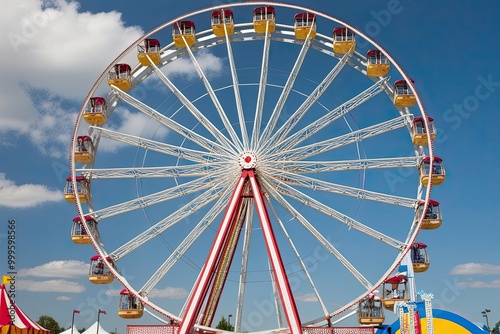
{"x": 329, "y": 118}
{"x": 196, "y": 232}
{"x": 306, "y": 167}
{"x": 297, "y": 255}
{"x": 171, "y": 124}
{"x": 173, "y": 150}
{"x": 152, "y": 172}
{"x": 160, "y": 227}
{"x": 316, "y": 184}
{"x": 195, "y": 111}
{"x": 344, "y": 219}
{"x": 236, "y": 89}
{"x": 268, "y": 130}
{"x": 162, "y": 196}
{"x": 281, "y": 133}
{"x": 215, "y": 100}
{"x": 321, "y": 239}
{"x": 304, "y": 152}
{"x": 262, "y": 89}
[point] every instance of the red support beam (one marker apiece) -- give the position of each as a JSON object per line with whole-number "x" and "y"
{"x": 207, "y": 272}
{"x": 282, "y": 283}
{"x": 217, "y": 251}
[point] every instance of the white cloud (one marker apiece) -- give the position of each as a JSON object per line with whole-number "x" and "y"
{"x": 64, "y": 298}
{"x": 210, "y": 64}
{"x": 53, "y": 54}
{"x": 169, "y": 292}
{"x": 51, "y": 46}
{"x": 26, "y": 195}
{"x": 479, "y": 284}
{"x": 132, "y": 123}
{"x": 307, "y": 297}
{"x": 60, "y": 285}
{"x": 62, "y": 269}
{"x": 476, "y": 269}
{"x": 112, "y": 292}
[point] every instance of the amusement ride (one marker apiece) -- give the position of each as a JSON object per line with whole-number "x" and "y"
{"x": 261, "y": 159}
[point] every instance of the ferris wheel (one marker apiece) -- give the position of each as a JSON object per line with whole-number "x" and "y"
{"x": 259, "y": 159}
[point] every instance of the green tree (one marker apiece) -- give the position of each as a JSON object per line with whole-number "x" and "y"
{"x": 50, "y": 323}
{"x": 496, "y": 329}
{"x": 224, "y": 325}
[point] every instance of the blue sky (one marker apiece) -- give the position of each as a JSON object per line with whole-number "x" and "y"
{"x": 54, "y": 51}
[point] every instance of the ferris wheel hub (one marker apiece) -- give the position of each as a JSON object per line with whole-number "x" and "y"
{"x": 247, "y": 160}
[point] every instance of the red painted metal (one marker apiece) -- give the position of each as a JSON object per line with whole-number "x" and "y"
{"x": 207, "y": 272}
{"x": 280, "y": 277}
{"x": 219, "y": 249}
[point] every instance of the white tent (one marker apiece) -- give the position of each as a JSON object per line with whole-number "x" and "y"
{"x": 93, "y": 329}
{"x": 68, "y": 331}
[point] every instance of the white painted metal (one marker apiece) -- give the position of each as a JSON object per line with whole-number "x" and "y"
{"x": 281, "y": 161}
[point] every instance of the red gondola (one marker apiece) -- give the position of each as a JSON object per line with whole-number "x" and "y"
{"x": 84, "y": 149}
{"x": 129, "y": 307}
{"x": 419, "y": 131}
{"x": 304, "y": 25}
{"x": 438, "y": 172}
{"x": 264, "y": 19}
{"x": 419, "y": 257}
{"x": 222, "y": 22}
{"x": 95, "y": 111}
{"x": 82, "y": 190}
{"x": 78, "y": 233}
{"x": 432, "y": 217}
{"x": 377, "y": 64}
{"x": 184, "y": 33}
{"x": 149, "y": 47}
{"x": 395, "y": 290}
{"x": 98, "y": 272}
{"x": 344, "y": 40}
{"x": 120, "y": 77}
{"x": 403, "y": 96}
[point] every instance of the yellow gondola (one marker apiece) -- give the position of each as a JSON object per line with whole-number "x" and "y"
{"x": 184, "y": 33}
{"x": 129, "y": 307}
{"x": 432, "y": 218}
{"x": 419, "y": 131}
{"x": 222, "y": 22}
{"x": 264, "y": 19}
{"x": 403, "y": 97}
{"x": 377, "y": 64}
{"x": 438, "y": 173}
{"x": 344, "y": 40}
{"x": 150, "y": 47}
{"x": 84, "y": 149}
{"x": 98, "y": 272}
{"x": 82, "y": 190}
{"x": 371, "y": 311}
{"x": 79, "y": 234}
{"x": 95, "y": 111}
{"x": 419, "y": 257}
{"x": 304, "y": 25}
{"x": 120, "y": 77}
{"x": 395, "y": 290}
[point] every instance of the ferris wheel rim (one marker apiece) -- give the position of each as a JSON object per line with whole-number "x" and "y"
{"x": 81, "y": 212}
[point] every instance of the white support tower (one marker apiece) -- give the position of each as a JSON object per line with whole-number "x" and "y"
{"x": 427, "y": 298}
